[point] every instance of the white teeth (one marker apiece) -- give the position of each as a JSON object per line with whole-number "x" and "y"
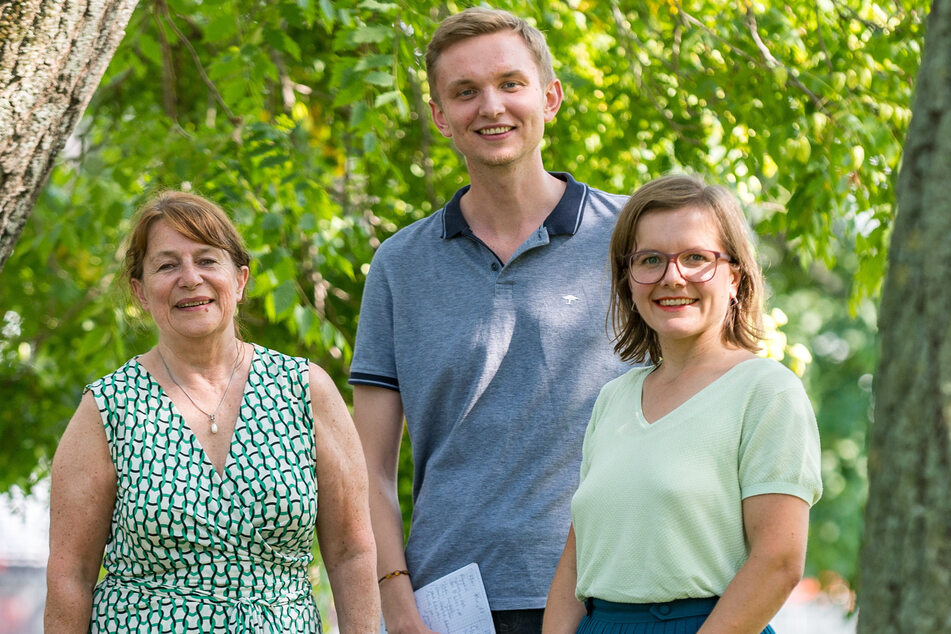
{"x": 191, "y": 304}
{"x": 499, "y": 130}
{"x": 683, "y": 301}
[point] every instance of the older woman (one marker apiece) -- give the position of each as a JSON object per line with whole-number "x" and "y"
{"x": 195, "y": 466}
{"x": 698, "y": 470}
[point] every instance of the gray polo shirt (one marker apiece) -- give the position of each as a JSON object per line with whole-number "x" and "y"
{"x": 498, "y": 367}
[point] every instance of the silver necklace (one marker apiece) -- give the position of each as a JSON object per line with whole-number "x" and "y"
{"x": 211, "y": 416}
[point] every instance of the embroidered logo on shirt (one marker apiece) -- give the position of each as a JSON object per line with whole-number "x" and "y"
{"x": 569, "y": 299}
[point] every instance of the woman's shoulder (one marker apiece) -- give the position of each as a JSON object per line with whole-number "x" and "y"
{"x": 276, "y": 357}
{"x": 767, "y": 370}
{"x": 763, "y": 379}
{"x": 281, "y": 369}
{"x": 130, "y": 372}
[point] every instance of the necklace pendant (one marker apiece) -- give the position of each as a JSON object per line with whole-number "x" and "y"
{"x": 214, "y": 427}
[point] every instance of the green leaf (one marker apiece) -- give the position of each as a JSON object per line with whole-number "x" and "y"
{"x": 387, "y": 97}
{"x": 303, "y": 318}
{"x": 272, "y": 222}
{"x": 285, "y": 299}
{"x": 379, "y": 7}
{"x": 378, "y": 78}
{"x": 328, "y": 13}
{"x": 150, "y": 49}
{"x": 370, "y": 142}
{"x": 221, "y": 27}
{"x": 273, "y": 160}
{"x": 351, "y": 89}
{"x": 371, "y": 34}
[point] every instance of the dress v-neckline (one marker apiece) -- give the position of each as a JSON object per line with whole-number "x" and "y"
{"x": 176, "y": 414}
{"x": 692, "y": 398}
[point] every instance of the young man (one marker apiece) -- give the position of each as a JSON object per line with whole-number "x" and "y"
{"x": 484, "y": 324}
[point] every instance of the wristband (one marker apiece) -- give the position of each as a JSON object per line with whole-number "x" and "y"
{"x": 395, "y": 573}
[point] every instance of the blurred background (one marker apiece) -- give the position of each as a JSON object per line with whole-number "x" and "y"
{"x": 308, "y": 121}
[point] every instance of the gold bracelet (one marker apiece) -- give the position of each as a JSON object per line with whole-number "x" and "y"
{"x": 395, "y": 573}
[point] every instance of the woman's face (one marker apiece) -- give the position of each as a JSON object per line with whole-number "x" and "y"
{"x": 190, "y": 289}
{"x": 679, "y": 310}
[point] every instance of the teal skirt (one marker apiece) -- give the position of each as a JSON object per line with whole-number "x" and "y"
{"x": 684, "y": 616}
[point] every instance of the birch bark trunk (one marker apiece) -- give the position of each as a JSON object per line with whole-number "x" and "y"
{"x": 52, "y": 55}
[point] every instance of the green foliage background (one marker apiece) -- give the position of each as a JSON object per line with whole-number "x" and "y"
{"x": 308, "y": 121}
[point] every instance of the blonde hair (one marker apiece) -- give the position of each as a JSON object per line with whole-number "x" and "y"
{"x": 633, "y": 339}
{"x": 476, "y": 21}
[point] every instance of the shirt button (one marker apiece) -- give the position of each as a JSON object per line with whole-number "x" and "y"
{"x": 495, "y": 266}
{"x": 664, "y": 609}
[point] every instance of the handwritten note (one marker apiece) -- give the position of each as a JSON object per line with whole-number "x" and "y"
{"x": 456, "y": 603}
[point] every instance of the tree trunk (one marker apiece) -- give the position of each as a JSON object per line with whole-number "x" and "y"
{"x": 52, "y": 55}
{"x": 906, "y": 557}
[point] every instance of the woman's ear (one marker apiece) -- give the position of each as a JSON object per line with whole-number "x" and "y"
{"x": 243, "y": 273}
{"x": 139, "y": 293}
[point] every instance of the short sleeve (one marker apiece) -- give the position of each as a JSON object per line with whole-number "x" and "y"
{"x": 118, "y": 397}
{"x": 779, "y": 446}
{"x": 109, "y": 423}
{"x": 374, "y": 360}
{"x": 586, "y": 448}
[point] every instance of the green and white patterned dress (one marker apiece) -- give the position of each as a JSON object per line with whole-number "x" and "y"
{"x": 192, "y": 551}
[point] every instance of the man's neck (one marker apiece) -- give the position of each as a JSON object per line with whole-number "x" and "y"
{"x": 502, "y": 208}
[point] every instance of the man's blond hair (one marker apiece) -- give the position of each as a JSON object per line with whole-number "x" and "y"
{"x": 476, "y": 21}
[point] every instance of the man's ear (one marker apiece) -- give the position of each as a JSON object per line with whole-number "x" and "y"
{"x": 553, "y": 99}
{"x": 440, "y": 119}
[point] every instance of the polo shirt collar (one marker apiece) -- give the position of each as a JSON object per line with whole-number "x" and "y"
{"x": 564, "y": 219}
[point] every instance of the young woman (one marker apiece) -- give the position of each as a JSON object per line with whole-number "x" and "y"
{"x": 698, "y": 470}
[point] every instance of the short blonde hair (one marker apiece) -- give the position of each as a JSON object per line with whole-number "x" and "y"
{"x": 476, "y": 21}
{"x": 634, "y": 340}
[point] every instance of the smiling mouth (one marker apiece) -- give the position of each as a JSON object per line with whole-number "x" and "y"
{"x": 193, "y": 304}
{"x": 496, "y": 130}
{"x": 681, "y": 301}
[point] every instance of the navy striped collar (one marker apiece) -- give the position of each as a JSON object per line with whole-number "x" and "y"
{"x": 564, "y": 219}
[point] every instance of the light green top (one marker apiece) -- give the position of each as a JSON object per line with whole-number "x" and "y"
{"x": 658, "y": 513}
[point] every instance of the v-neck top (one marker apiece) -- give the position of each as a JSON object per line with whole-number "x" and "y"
{"x": 658, "y": 513}
{"x": 190, "y": 550}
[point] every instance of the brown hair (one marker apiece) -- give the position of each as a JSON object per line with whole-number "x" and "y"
{"x": 634, "y": 340}
{"x": 192, "y": 216}
{"x": 476, "y": 21}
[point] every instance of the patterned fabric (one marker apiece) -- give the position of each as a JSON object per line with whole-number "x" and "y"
{"x": 192, "y": 551}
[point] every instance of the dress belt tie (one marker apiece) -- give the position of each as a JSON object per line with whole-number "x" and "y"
{"x": 246, "y": 615}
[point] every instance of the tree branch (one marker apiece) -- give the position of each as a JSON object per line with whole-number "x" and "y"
{"x": 822, "y": 42}
{"x": 234, "y": 119}
{"x": 772, "y": 62}
{"x": 168, "y": 70}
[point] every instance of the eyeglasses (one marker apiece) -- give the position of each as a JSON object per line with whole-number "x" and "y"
{"x": 694, "y": 265}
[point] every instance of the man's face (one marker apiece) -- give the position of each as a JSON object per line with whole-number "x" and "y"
{"x": 491, "y": 101}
